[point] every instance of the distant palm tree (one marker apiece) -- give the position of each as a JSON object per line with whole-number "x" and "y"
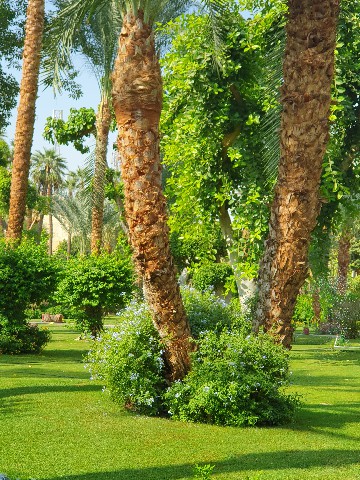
{"x": 25, "y": 118}
{"x": 97, "y": 40}
{"x": 48, "y": 169}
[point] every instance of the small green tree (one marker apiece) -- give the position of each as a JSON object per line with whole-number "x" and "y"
{"x": 94, "y": 286}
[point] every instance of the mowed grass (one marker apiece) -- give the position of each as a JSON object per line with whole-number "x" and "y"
{"x": 57, "y": 424}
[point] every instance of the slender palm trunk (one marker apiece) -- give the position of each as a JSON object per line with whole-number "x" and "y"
{"x": 25, "y": 118}
{"x": 51, "y": 226}
{"x": 137, "y": 99}
{"x": 246, "y": 288}
{"x": 306, "y": 96}
{"x": 68, "y": 248}
{"x": 343, "y": 261}
{"x": 103, "y": 120}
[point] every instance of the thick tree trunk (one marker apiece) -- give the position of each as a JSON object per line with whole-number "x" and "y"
{"x": 137, "y": 99}
{"x": 103, "y": 120}
{"x": 246, "y": 288}
{"x": 343, "y": 261}
{"x": 306, "y": 96}
{"x": 25, "y": 118}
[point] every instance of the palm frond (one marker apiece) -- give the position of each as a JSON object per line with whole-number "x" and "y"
{"x": 270, "y": 126}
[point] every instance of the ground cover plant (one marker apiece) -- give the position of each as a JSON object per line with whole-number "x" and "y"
{"x": 57, "y": 424}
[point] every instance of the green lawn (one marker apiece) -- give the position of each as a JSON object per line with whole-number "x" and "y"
{"x": 57, "y": 424}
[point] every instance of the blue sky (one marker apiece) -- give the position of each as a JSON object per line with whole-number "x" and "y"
{"x": 47, "y": 103}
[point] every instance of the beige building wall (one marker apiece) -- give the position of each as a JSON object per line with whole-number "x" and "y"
{"x": 59, "y": 233}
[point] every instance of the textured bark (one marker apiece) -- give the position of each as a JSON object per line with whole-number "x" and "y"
{"x": 246, "y": 288}
{"x": 137, "y": 100}
{"x": 25, "y": 118}
{"x": 103, "y": 120}
{"x": 343, "y": 261}
{"x": 306, "y": 96}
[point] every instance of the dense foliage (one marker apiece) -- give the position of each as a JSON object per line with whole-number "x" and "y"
{"x": 93, "y": 286}
{"x": 210, "y": 139}
{"x": 236, "y": 379}
{"x": 27, "y": 276}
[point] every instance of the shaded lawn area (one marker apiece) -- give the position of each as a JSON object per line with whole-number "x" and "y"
{"x": 57, "y": 424}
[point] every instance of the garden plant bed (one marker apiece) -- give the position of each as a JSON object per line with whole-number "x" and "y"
{"x": 57, "y": 424}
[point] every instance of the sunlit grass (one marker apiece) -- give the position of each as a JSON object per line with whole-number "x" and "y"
{"x": 57, "y": 424}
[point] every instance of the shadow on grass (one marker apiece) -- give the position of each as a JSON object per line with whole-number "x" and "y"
{"x": 331, "y": 381}
{"x": 288, "y": 459}
{"x": 328, "y": 419}
{"x": 34, "y": 390}
{"x": 9, "y": 402}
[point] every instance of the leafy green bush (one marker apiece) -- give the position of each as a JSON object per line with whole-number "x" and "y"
{"x": 128, "y": 359}
{"x": 24, "y": 339}
{"x": 304, "y": 312}
{"x": 93, "y": 286}
{"x": 27, "y": 276}
{"x": 235, "y": 380}
{"x": 214, "y": 275}
{"x": 206, "y": 311}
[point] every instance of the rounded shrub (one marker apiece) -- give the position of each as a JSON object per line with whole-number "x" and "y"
{"x": 90, "y": 287}
{"x": 206, "y": 311}
{"x": 27, "y": 276}
{"x": 213, "y": 275}
{"x": 234, "y": 380}
{"x": 129, "y": 360}
{"x": 24, "y": 339}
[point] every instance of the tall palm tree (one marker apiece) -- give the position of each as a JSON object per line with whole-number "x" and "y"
{"x": 308, "y": 70}
{"x": 48, "y": 170}
{"x": 137, "y": 100}
{"x": 25, "y": 117}
{"x": 96, "y": 39}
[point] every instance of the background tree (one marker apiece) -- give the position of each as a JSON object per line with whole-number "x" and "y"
{"x": 48, "y": 170}
{"x": 210, "y": 142}
{"x": 11, "y": 39}
{"x": 96, "y": 39}
{"x": 25, "y": 117}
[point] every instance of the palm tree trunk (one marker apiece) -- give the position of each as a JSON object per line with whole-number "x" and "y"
{"x": 306, "y": 96}
{"x": 103, "y": 121}
{"x": 51, "y": 227}
{"x": 343, "y": 261}
{"x": 25, "y": 118}
{"x": 137, "y": 99}
{"x": 68, "y": 248}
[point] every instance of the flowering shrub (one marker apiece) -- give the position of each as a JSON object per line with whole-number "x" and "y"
{"x": 235, "y": 380}
{"x": 129, "y": 360}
